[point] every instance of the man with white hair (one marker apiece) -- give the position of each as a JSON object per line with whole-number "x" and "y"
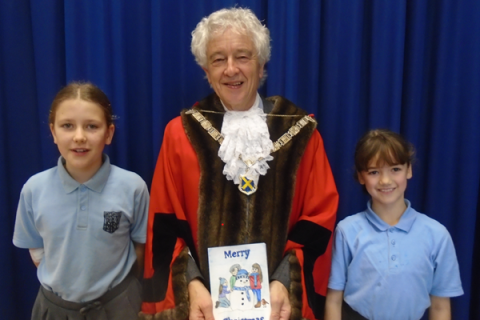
{"x": 238, "y": 169}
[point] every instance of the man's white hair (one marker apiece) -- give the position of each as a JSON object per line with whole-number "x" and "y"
{"x": 240, "y": 20}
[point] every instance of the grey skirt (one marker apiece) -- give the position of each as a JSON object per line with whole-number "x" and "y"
{"x": 122, "y": 302}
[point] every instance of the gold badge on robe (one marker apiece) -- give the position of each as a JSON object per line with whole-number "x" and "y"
{"x": 246, "y": 186}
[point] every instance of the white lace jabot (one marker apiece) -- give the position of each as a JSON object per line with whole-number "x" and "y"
{"x": 246, "y": 140}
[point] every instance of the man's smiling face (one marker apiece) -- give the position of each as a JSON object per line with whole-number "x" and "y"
{"x": 233, "y": 69}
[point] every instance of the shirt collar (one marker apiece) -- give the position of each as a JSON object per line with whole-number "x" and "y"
{"x": 96, "y": 183}
{"x": 257, "y": 104}
{"x": 406, "y": 220}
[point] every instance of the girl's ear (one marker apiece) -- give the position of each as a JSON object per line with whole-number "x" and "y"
{"x": 360, "y": 178}
{"x": 53, "y": 133}
{"x": 409, "y": 171}
{"x": 109, "y": 135}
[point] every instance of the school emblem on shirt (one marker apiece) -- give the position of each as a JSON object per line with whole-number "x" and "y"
{"x": 111, "y": 221}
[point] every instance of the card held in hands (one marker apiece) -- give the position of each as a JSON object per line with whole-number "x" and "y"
{"x": 239, "y": 282}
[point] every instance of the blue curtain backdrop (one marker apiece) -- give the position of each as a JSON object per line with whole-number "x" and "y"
{"x": 411, "y": 66}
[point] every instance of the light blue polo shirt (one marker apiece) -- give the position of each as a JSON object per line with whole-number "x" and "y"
{"x": 389, "y": 272}
{"x": 86, "y": 229}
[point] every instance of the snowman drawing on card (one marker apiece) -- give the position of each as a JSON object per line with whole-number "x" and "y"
{"x": 242, "y": 297}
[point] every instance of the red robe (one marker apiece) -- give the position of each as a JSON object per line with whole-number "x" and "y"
{"x": 293, "y": 213}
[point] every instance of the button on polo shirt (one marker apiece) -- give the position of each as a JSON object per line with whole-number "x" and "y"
{"x": 82, "y": 218}
{"x": 85, "y": 191}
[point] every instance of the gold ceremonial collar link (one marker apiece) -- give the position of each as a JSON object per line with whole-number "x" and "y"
{"x": 283, "y": 140}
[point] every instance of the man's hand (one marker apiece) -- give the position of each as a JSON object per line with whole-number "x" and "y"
{"x": 280, "y": 302}
{"x": 201, "y": 307}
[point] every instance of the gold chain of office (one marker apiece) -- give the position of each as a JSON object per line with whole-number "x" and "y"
{"x": 282, "y": 141}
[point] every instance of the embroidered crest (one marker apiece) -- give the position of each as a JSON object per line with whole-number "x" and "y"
{"x": 111, "y": 220}
{"x": 247, "y": 186}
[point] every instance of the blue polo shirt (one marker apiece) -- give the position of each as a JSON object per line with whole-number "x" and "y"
{"x": 388, "y": 272}
{"x": 85, "y": 229}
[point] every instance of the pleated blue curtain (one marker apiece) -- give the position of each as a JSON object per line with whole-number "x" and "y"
{"x": 21, "y": 150}
{"x": 410, "y": 66}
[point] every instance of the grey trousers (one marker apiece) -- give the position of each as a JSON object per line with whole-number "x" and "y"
{"x": 123, "y": 302}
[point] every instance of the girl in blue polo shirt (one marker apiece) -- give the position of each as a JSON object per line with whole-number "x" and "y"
{"x": 84, "y": 221}
{"x": 389, "y": 261}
